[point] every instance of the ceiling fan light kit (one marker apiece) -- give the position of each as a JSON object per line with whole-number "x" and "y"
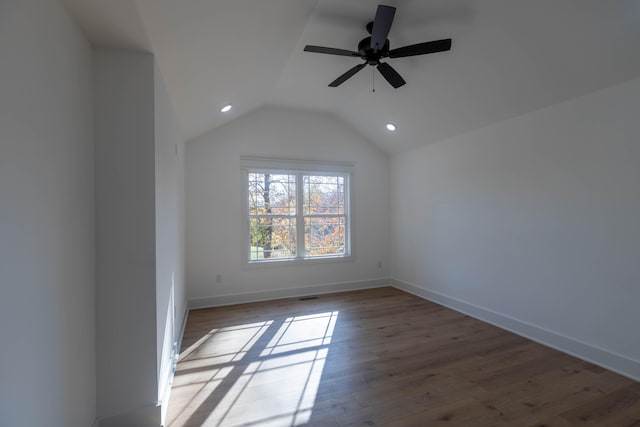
{"x": 376, "y": 47}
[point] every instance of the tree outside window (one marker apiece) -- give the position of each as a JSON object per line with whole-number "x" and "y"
{"x": 297, "y": 215}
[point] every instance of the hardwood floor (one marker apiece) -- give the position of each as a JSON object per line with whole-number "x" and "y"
{"x": 381, "y": 357}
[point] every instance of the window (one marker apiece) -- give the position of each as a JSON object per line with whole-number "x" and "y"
{"x": 296, "y": 210}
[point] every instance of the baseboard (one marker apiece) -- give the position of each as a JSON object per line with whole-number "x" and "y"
{"x": 145, "y": 416}
{"x": 218, "y": 301}
{"x": 181, "y": 333}
{"x": 598, "y": 356}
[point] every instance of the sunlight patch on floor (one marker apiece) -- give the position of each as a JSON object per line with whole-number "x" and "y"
{"x": 270, "y": 372}
{"x": 276, "y": 392}
{"x": 302, "y": 332}
{"x": 227, "y": 344}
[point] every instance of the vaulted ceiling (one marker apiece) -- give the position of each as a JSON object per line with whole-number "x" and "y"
{"x": 509, "y": 57}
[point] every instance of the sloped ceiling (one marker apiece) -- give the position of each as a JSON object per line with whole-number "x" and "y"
{"x": 509, "y": 57}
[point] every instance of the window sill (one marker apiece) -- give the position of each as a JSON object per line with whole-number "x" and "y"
{"x": 296, "y": 262}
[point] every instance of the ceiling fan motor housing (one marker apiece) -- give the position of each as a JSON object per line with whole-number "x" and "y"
{"x": 369, "y": 54}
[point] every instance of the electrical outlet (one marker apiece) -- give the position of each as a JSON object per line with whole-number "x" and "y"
{"x": 218, "y": 278}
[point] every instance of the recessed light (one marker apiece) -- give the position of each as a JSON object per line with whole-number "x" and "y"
{"x": 226, "y": 108}
{"x": 391, "y": 126}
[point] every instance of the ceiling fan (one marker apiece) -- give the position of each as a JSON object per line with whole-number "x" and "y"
{"x": 372, "y": 49}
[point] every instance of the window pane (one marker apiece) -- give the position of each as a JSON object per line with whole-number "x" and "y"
{"x": 323, "y": 194}
{"x": 272, "y": 194}
{"x": 273, "y": 237}
{"x": 324, "y": 236}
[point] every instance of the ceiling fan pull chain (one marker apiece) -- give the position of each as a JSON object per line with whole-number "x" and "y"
{"x": 373, "y": 78}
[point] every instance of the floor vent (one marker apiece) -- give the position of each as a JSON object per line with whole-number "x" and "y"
{"x": 309, "y": 297}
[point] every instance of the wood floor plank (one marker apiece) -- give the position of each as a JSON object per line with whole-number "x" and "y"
{"x": 617, "y": 408}
{"x": 381, "y": 357}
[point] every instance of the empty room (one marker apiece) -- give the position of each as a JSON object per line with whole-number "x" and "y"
{"x": 319, "y": 213}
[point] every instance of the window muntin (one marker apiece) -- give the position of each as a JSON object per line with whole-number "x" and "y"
{"x": 297, "y": 215}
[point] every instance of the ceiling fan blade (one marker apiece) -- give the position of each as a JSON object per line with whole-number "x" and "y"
{"x": 343, "y": 78}
{"x": 391, "y": 75}
{"x": 381, "y": 26}
{"x": 421, "y": 48}
{"x": 330, "y": 51}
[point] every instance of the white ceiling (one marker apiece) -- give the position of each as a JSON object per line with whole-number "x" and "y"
{"x": 509, "y": 57}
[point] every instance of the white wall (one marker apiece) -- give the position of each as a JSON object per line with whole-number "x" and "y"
{"x": 124, "y": 132}
{"x": 214, "y": 206}
{"x": 532, "y": 222}
{"x": 140, "y": 237}
{"x": 47, "y": 356}
{"x": 170, "y": 227}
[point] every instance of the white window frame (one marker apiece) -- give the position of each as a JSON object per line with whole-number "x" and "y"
{"x": 298, "y": 168}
